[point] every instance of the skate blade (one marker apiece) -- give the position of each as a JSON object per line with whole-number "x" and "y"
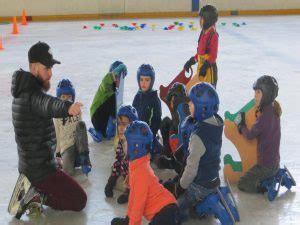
{"x": 22, "y": 185}
{"x": 233, "y": 198}
{"x": 226, "y": 205}
{"x": 290, "y": 175}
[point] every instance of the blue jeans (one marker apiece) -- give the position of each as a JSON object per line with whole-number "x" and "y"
{"x": 191, "y": 197}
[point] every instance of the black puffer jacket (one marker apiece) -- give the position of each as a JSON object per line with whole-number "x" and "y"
{"x": 32, "y": 113}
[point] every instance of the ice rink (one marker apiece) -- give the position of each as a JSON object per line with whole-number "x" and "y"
{"x": 265, "y": 45}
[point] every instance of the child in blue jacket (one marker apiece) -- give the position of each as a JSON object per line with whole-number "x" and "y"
{"x": 146, "y": 101}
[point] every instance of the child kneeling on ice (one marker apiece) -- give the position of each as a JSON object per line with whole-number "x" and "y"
{"x": 201, "y": 173}
{"x": 71, "y": 135}
{"x": 125, "y": 116}
{"x": 267, "y": 131}
{"x": 103, "y": 109}
{"x": 147, "y": 197}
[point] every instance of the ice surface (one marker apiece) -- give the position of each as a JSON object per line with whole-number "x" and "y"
{"x": 265, "y": 45}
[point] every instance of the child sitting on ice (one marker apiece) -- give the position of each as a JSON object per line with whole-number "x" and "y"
{"x": 201, "y": 173}
{"x": 147, "y": 102}
{"x": 125, "y": 116}
{"x": 148, "y": 198}
{"x": 103, "y": 108}
{"x": 267, "y": 131}
{"x": 71, "y": 135}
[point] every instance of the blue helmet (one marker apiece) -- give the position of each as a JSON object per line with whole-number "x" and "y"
{"x": 65, "y": 87}
{"x": 139, "y": 140}
{"x": 205, "y": 100}
{"x": 115, "y": 65}
{"x": 128, "y": 111}
{"x": 148, "y": 71}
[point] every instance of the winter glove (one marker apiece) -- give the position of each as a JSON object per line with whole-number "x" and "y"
{"x": 178, "y": 190}
{"x": 189, "y": 63}
{"x": 240, "y": 121}
{"x": 120, "y": 70}
{"x": 120, "y": 221}
{"x": 204, "y": 68}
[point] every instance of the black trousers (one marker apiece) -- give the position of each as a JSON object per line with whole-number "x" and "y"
{"x": 168, "y": 215}
{"x": 102, "y": 114}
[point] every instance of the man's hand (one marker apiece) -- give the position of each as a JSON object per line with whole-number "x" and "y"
{"x": 74, "y": 109}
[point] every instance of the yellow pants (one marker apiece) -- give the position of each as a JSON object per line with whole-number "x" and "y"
{"x": 211, "y": 75}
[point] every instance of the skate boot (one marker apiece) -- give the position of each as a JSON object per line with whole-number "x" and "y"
{"x": 112, "y": 180}
{"x": 85, "y": 163}
{"x": 272, "y": 185}
{"x": 31, "y": 201}
{"x": 123, "y": 198}
{"x": 111, "y": 128}
{"x": 96, "y": 135}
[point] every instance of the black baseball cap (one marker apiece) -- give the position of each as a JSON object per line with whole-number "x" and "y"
{"x": 41, "y": 53}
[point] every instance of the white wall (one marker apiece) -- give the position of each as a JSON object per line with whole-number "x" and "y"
{"x": 252, "y": 4}
{"x": 67, "y": 7}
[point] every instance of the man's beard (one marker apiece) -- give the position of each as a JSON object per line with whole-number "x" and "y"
{"x": 45, "y": 83}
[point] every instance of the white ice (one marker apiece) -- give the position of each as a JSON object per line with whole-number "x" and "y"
{"x": 265, "y": 45}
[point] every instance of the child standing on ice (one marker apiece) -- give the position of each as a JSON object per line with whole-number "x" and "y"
{"x": 267, "y": 131}
{"x": 125, "y": 116}
{"x": 71, "y": 135}
{"x": 103, "y": 108}
{"x": 207, "y": 50}
{"x": 148, "y": 198}
{"x": 147, "y": 102}
{"x": 201, "y": 173}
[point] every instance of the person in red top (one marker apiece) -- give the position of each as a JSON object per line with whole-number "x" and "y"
{"x": 147, "y": 198}
{"x": 207, "y": 50}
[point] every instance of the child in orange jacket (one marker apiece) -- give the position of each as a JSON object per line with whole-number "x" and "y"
{"x": 147, "y": 196}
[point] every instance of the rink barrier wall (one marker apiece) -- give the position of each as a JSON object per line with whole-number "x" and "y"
{"x": 152, "y": 15}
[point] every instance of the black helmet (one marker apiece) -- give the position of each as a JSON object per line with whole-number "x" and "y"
{"x": 210, "y": 16}
{"x": 269, "y": 87}
{"x": 177, "y": 90}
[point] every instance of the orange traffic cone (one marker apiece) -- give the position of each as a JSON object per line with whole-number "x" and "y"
{"x": 15, "y": 26}
{"x": 1, "y": 45}
{"x": 24, "y": 20}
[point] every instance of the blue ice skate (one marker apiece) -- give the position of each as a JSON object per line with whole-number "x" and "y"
{"x": 221, "y": 205}
{"x": 85, "y": 163}
{"x": 111, "y": 128}
{"x": 97, "y": 136}
{"x": 282, "y": 178}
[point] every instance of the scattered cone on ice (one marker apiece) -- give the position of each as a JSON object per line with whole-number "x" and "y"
{"x": 24, "y": 19}
{"x": 15, "y": 26}
{"x": 1, "y": 44}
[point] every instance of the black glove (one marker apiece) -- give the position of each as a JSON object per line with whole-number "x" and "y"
{"x": 240, "y": 121}
{"x": 189, "y": 63}
{"x": 178, "y": 190}
{"x": 120, "y": 221}
{"x": 204, "y": 68}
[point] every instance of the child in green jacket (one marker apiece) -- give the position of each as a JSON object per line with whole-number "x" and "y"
{"x": 103, "y": 108}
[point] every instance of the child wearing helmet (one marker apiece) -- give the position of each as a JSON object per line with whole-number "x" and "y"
{"x": 125, "y": 116}
{"x": 103, "y": 107}
{"x": 266, "y": 130}
{"x": 71, "y": 135}
{"x": 178, "y": 100}
{"x": 207, "y": 50}
{"x": 201, "y": 173}
{"x": 146, "y": 101}
{"x": 148, "y": 198}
